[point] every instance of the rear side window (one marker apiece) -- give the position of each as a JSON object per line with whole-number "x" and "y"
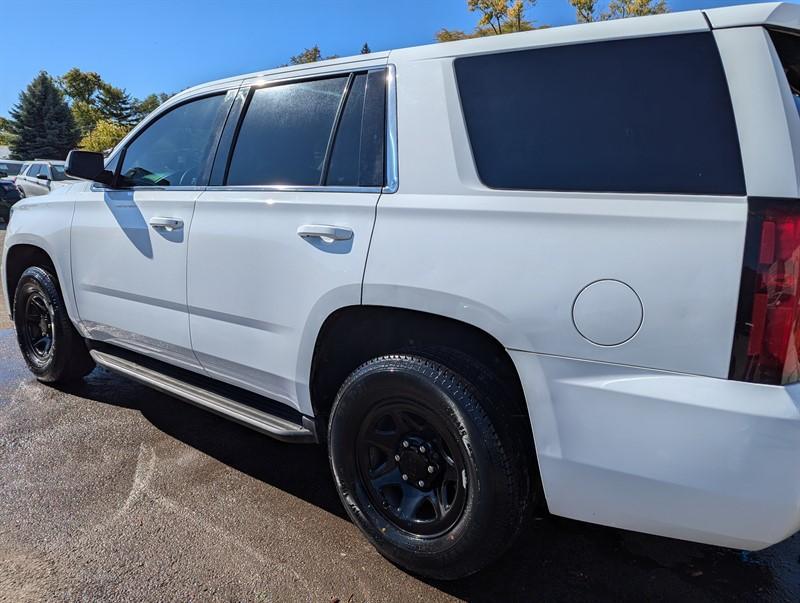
{"x": 788, "y": 47}
{"x": 643, "y": 115}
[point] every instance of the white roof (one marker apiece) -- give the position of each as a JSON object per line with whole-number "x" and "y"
{"x": 779, "y": 14}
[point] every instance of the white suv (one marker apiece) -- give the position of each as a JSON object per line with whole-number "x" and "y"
{"x": 557, "y": 267}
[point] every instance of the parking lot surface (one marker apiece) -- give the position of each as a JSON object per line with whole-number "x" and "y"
{"x": 111, "y": 491}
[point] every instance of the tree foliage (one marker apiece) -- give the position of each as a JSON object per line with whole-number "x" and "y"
{"x": 116, "y": 105}
{"x": 105, "y": 135}
{"x": 365, "y": 49}
{"x": 41, "y": 122}
{"x": 94, "y": 99}
{"x": 495, "y": 17}
{"x": 5, "y": 132}
{"x": 591, "y": 10}
{"x": 148, "y": 104}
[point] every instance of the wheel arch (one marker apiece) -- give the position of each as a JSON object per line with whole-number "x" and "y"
{"x": 351, "y": 335}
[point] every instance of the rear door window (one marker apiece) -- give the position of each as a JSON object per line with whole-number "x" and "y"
{"x": 285, "y": 134}
{"x": 324, "y": 132}
{"x": 644, "y": 115}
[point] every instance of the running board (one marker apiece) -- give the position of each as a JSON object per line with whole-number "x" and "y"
{"x": 120, "y": 361}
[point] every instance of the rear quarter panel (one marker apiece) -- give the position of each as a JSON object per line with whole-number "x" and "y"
{"x": 512, "y": 263}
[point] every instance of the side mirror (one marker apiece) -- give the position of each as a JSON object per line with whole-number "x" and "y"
{"x": 87, "y": 165}
{"x": 42, "y": 177}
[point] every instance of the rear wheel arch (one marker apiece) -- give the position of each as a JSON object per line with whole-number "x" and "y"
{"x": 353, "y": 335}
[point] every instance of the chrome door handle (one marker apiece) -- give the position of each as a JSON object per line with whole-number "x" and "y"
{"x": 321, "y": 231}
{"x": 168, "y": 224}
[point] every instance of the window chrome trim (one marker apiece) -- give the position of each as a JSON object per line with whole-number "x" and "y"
{"x": 280, "y": 188}
{"x": 391, "y": 177}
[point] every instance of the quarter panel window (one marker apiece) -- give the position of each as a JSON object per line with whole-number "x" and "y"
{"x": 641, "y": 115}
{"x": 176, "y": 149}
{"x": 285, "y": 133}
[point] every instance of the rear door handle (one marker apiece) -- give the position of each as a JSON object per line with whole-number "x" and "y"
{"x": 168, "y": 224}
{"x": 322, "y": 231}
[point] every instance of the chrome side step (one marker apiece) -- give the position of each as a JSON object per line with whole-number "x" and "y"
{"x": 268, "y": 424}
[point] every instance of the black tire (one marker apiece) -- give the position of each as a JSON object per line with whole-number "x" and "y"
{"x": 466, "y": 514}
{"x": 53, "y": 350}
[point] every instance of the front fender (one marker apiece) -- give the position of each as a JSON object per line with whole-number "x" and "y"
{"x": 45, "y": 222}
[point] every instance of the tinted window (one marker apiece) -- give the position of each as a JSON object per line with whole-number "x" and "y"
{"x": 357, "y": 156}
{"x": 788, "y": 47}
{"x": 345, "y": 159}
{"x": 285, "y": 133}
{"x": 59, "y": 173}
{"x": 34, "y": 170}
{"x": 177, "y": 148}
{"x": 10, "y": 169}
{"x": 642, "y": 115}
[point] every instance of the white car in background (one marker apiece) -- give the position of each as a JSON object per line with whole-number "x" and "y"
{"x": 42, "y": 176}
{"x": 555, "y": 267}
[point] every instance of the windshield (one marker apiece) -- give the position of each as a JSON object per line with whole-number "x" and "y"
{"x": 10, "y": 169}
{"x": 59, "y": 173}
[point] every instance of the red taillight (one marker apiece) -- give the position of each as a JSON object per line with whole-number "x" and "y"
{"x": 768, "y": 341}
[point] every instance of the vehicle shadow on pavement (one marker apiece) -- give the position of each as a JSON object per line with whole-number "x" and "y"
{"x": 554, "y": 559}
{"x": 299, "y": 469}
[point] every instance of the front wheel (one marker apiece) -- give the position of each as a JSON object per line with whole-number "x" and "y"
{"x": 425, "y": 465}
{"x": 53, "y": 350}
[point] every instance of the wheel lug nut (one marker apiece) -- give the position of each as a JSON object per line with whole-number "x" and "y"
{"x": 431, "y": 469}
{"x": 397, "y": 457}
{"x": 405, "y": 477}
{"x": 422, "y": 449}
{"x": 405, "y": 443}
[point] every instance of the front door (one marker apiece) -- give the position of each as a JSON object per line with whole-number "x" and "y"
{"x": 129, "y": 243}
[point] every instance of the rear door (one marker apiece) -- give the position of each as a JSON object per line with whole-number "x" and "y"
{"x": 282, "y": 236}
{"x": 129, "y": 243}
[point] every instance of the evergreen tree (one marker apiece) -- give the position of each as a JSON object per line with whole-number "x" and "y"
{"x": 365, "y": 49}
{"x": 116, "y": 105}
{"x": 41, "y": 122}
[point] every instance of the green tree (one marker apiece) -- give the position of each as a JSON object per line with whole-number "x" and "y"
{"x": 80, "y": 85}
{"x": 82, "y": 88}
{"x": 143, "y": 108}
{"x": 365, "y": 49}
{"x": 310, "y": 55}
{"x": 116, "y": 105}
{"x": 105, "y": 135}
{"x": 5, "y": 132}
{"x": 496, "y": 17}
{"x": 590, "y": 10}
{"x": 41, "y": 122}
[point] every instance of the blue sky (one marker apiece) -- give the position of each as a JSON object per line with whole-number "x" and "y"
{"x": 167, "y": 45}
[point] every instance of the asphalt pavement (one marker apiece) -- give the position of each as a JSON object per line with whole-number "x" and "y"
{"x": 111, "y": 491}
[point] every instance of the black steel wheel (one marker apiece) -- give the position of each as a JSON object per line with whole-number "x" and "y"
{"x": 412, "y": 467}
{"x": 38, "y": 332}
{"x": 53, "y": 350}
{"x": 426, "y": 466}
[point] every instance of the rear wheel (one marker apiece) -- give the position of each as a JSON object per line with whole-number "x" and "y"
{"x": 53, "y": 350}
{"x": 425, "y": 467}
